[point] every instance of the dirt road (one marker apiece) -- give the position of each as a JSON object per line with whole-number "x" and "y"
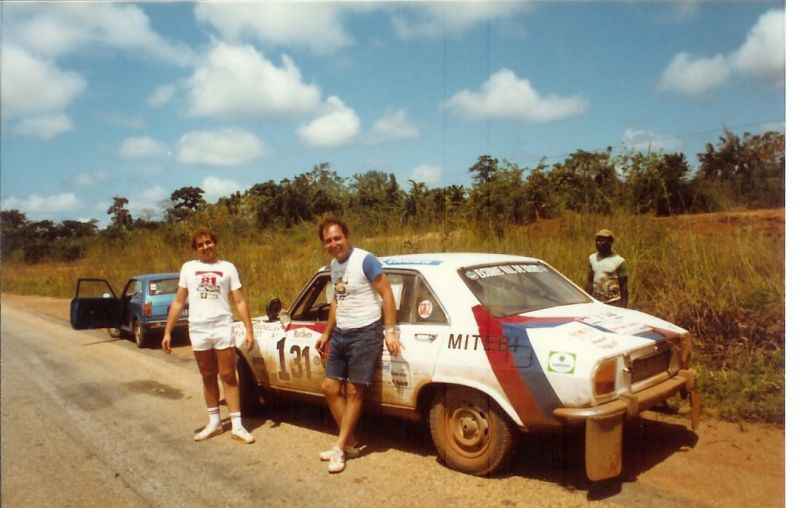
{"x": 89, "y": 420}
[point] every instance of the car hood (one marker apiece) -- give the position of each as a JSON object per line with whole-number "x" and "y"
{"x": 595, "y": 329}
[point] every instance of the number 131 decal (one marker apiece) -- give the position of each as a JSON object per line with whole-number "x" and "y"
{"x": 300, "y": 365}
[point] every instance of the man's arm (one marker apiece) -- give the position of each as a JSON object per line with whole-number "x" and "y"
{"x": 326, "y": 335}
{"x": 244, "y": 313}
{"x": 590, "y": 282}
{"x": 623, "y": 291}
{"x": 172, "y": 318}
{"x": 384, "y": 289}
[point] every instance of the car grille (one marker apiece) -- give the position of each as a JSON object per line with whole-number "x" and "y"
{"x": 645, "y": 368}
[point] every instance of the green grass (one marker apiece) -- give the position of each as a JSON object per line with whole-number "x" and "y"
{"x": 722, "y": 280}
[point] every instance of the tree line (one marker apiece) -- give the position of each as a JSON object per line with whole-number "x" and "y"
{"x": 736, "y": 172}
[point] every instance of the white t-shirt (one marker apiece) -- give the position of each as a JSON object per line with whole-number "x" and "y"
{"x": 357, "y": 302}
{"x": 209, "y": 285}
{"x": 607, "y": 272}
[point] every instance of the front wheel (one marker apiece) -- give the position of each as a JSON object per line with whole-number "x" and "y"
{"x": 140, "y": 335}
{"x": 470, "y": 431}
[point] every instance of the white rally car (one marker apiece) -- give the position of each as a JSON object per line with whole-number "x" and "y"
{"x": 492, "y": 345}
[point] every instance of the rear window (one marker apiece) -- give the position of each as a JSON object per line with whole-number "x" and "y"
{"x": 515, "y": 288}
{"x": 164, "y": 286}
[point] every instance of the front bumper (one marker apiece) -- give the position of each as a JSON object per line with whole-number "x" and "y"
{"x": 631, "y": 404}
{"x": 603, "y": 453}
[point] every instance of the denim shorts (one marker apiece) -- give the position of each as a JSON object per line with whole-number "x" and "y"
{"x": 354, "y": 354}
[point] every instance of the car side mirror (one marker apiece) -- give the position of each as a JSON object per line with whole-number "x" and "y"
{"x": 273, "y": 308}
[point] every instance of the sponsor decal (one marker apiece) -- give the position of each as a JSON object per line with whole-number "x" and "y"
{"x": 510, "y": 269}
{"x": 425, "y": 309}
{"x": 411, "y": 261}
{"x": 561, "y": 362}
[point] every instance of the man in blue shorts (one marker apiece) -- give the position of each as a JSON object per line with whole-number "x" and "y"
{"x": 356, "y": 333}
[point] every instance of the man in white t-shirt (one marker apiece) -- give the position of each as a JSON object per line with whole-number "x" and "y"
{"x": 608, "y": 272}
{"x": 356, "y": 332}
{"x": 206, "y": 283}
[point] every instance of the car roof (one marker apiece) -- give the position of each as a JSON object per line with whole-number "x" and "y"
{"x": 164, "y": 275}
{"x": 451, "y": 260}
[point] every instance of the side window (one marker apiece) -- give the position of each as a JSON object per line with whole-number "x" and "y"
{"x": 426, "y": 307}
{"x": 316, "y": 301}
{"x": 132, "y": 288}
{"x": 416, "y": 304}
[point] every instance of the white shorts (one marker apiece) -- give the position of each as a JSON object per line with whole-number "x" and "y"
{"x": 212, "y": 335}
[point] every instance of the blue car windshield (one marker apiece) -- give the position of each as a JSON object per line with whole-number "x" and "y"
{"x": 515, "y": 288}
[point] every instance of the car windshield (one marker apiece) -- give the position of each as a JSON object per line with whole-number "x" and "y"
{"x": 164, "y": 286}
{"x": 515, "y": 288}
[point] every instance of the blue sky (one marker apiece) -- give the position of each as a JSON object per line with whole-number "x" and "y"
{"x": 140, "y": 99}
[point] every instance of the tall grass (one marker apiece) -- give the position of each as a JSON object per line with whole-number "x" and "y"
{"x": 721, "y": 278}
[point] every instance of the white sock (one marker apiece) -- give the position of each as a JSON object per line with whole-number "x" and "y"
{"x": 213, "y": 416}
{"x": 236, "y": 420}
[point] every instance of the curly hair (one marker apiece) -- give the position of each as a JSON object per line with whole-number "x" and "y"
{"x": 203, "y": 231}
{"x": 332, "y": 221}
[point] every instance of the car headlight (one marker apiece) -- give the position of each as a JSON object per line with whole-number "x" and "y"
{"x": 605, "y": 377}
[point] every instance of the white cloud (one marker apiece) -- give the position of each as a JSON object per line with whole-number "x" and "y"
{"x": 763, "y": 54}
{"x": 161, "y": 96}
{"x": 33, "y": 85}
{"x": 139, "y": 147}
{"x": 36, "y": 205}
{"x": 238, "y": 82}
{"x": 431, "y": 19}
{"x": 694, "y": 76}
{"x": 427, "y": 174}
{"x": 393, "y": 125}
{"x": 147, "y": 199}
{"x": 643, "y": 141}
{"x": 316, "y": 26}
{"x": 72, "y": 27}
{"x": 224, "y": 147}
{"x": 44, "y": 127}
{"x": 216, "y": 188}
{"x": 85, "y": 180}
{"x": 338, "y": 125}
{"x": 504, "y": 96}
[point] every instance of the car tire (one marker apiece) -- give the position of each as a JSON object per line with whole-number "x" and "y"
{"x": 249, "y": 392}
{"x": 470, "y": 432}
{"x": 140, "y": 335}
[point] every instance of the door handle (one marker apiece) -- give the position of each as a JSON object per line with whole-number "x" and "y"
{"x": 425, "y": 336}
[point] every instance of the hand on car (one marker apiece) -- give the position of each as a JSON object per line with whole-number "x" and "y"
{"x": 393, "y": 343}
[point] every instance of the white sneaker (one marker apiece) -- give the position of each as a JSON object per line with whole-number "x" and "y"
{"x": 350, "y": 452}
{"x": 209, "y": 431}
{"x": 242, "y": 435}
{"x": 336, "y": 464}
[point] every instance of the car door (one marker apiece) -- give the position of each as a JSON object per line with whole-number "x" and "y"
{"x": 132, "y": 297}
{"x": 423, "y": 323}
{"x": 95, "y": 306}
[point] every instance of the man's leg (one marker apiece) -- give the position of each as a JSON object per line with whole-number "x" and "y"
{"x": 207, "y": 364}
{"x": 351, "y": 412}
{"x": 226, "y": 359}
{"x": 226, "y": 364}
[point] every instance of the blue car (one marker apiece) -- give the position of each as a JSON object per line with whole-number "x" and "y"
{"x": 141, "y": 311}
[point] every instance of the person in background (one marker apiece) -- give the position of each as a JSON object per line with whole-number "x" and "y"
{"x": 207, "y": 283}
{"x": 608, "y": 272}
{"x": 356, "y": 332}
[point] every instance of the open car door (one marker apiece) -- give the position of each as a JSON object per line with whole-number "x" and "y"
{"x": 95, "y": 306}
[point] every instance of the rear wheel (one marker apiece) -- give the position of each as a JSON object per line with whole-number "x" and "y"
{"x": 470, "y": 431}
{"x": 140, "y": 335}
